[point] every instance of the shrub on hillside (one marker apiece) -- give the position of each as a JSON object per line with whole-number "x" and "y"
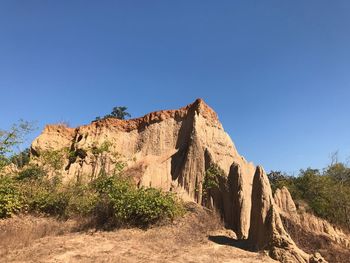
{"x": 106, "y": 199}
{"x": 150, "y": 205}
{"x": 45, "y": 196}
{"x": 327, "y": 192}
{"x": 82, "y": 200}
{"x": 21, "y": 159}
{"x": 31, "y": 172}
{"x": 211, "y": 182}
{"x": 10, "y": 197}
{"x": 135, "y": 206}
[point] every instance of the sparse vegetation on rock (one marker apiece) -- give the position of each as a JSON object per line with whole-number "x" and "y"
{"x": 211, "y": 182}
{"x": 118, "y": 112}
{"x": 326, "y": 192}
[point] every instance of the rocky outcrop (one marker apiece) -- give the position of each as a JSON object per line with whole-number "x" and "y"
{"x": 284, "y": 201}
{"x": 172, "y": 150}
{"x": 308, "y": 222}
{"x": 166, "y": 149}
{"x": 266, "y": 229}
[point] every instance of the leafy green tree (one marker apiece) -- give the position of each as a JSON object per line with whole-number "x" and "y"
{"x": 279, "y": 179}
{"x": 31, "y": 172}
{"x": 326, "y": 192}
{"x": 21, "y": 159}
{"x": 339, "y": 172}
{"x": 118, "y": 112}
{"x": 211, "y": 183}
{"x": 3, "y": 161}
{"x": 11, "y": 138}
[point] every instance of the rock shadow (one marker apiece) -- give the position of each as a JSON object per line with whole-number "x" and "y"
{"x": 227, "y": 241}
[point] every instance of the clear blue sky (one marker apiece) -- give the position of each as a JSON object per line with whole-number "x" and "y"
{"x": 276, "y": 72}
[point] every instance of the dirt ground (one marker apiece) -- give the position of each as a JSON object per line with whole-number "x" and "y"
{"x": 194, "y": 238}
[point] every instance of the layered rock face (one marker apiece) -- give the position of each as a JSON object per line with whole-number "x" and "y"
{"x": 166, "y": 149}
{"x": 172, "y": 150}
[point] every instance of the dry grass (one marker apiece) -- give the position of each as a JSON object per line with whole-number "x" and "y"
{"x": 20, "y": 231}
{"x": 31, "y": 239}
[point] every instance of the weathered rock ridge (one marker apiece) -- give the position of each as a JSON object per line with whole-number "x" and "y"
{"x": 172, "y": 150}
{"x": 266, "y": 229}
{"x": 309, "y": 223}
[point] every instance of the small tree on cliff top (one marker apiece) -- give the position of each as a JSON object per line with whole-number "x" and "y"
{"x": 118, "y": 112}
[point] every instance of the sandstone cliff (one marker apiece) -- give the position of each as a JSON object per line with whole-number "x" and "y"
{"x": 172, "y": 150}
{"x": 167, "y": 149}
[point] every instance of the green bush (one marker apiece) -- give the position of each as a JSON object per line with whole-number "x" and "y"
{"x": 45, "y": 196}
{"x": 211, "y": 181}
{"x": 54, "y": 158}
{"x": 3, "y": 161}
{"x": 104, "y": 147}
{"x": 82, "y": 200}
{"x": 51, "y": 203}
{"x": 107, "y": 199}
{"x": 212, "y": 177}
{"x": 49, "y": 196}
{"x": 150, "y": 205}
{"x": 133, "y": 206}
{"x": 21, "y": 159}
{"x": 10, "y": 197}
{"x": 31, "y": 172}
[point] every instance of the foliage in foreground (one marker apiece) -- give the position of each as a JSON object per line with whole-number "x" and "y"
{"x": 106, "y": 199}
{"x": 10, "y": 198}
{"x": 326, "y": 192}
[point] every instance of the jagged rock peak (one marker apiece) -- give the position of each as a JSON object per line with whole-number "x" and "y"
{"x": 284, "y": 201}
{"x": 266, "y": 229}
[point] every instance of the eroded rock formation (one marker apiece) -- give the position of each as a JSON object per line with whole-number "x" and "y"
{"x": 305, "y": 226}
{"x": 284, "y": 201}
{"x": 266, "y": 229}
{"x": 172, "y": 150}
{"x": 167, "y": 149}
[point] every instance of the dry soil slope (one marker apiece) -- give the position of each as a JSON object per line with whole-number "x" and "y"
{"x": 30, "y": 239}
